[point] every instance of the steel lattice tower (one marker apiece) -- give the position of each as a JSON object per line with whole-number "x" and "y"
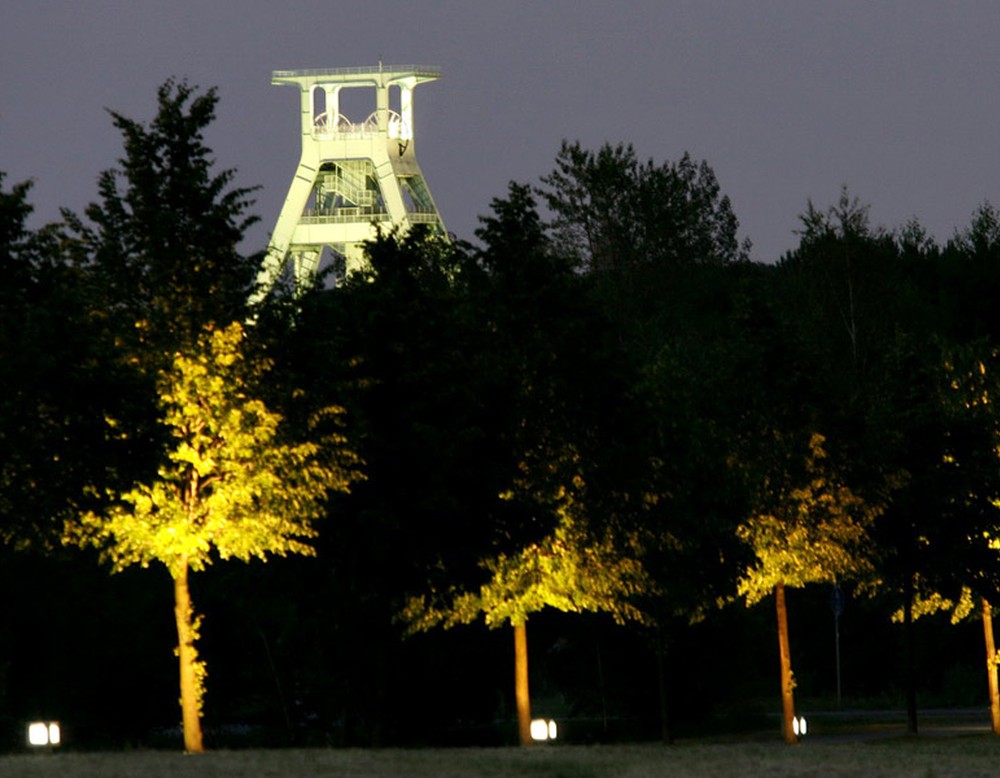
{"x": 353, "y": 177}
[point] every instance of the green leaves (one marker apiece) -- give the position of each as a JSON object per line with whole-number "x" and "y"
{"x": 616, "y": 212}
{"x": 161, "y": 247}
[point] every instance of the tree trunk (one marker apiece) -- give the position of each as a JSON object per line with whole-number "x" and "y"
{"x": 602, "y": 690}
{"x": 379, "y": 733}
{"x": 521, "y": 693}
{"x": 190, "y": 672}
{"x": 911, "y": 669}
{"x": 666, "y": 733}
{"x": 991, "y": 666}
{"x": 787, "y": 682}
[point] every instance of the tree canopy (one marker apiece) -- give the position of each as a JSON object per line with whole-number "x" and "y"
{"x": 162, "y": 245}
{"x": 602, "y": 407}
{"x": 230, "y": 486}
{"x": 812, "y": 531}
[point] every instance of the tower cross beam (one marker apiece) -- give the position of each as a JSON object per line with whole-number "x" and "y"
{"x": 355, "y": 175}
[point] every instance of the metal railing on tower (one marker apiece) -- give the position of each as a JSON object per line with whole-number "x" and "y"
{"x": 355, "y": 174}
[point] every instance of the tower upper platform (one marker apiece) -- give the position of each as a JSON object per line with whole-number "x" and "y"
{"x": 321, "y": 88}
{"x": 359, "y": 76}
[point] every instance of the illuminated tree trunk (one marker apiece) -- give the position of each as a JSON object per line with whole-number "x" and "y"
{"x": 787, "y": 683}
{"x": 991, "y": 666}
{"x": 521, "y": 693}
{"x": 187, "y": 657}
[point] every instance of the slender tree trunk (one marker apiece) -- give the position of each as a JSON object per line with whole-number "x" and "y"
{"x": 991, "y": 666}
{"x": 787, "y": 682}
{"x": 188, "y": 663}
{"x": 666, "y": 734}
{"x": 602, "y": 690}
{"x": 379, "y": 734}
{"x": 911, "y": 669}
{"x": 279, "y": 691}
{"x": 521, "y": 693}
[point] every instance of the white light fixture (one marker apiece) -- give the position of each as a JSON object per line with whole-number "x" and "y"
{"x": 543, "y": 729}
{"x": 44, "y": 733}
{"x": 799, "y": 726}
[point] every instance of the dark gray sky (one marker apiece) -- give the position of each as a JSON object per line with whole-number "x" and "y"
{"x": 787, "y": 100}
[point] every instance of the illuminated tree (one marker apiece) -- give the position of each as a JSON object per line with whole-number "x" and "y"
{"x": 971, "y": 449}
{"x": 158, "y": 259}
{"x": 804, "y": 531}
{"x": 230, "y": 487}
{"x": 973, "y": 375}
{"x": 571, "y": 569}
{"x": 860, "y": 307}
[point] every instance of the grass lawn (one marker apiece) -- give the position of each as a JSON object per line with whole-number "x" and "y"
{"x": 933, "y": 757}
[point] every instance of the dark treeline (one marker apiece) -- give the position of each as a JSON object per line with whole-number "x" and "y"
{"x": 602, "y": 372}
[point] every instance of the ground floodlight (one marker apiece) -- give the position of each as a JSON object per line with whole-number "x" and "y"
{"x": 799, "y": 726}
{"x": 543, "y": 729}
{"x": 44, "y": 733}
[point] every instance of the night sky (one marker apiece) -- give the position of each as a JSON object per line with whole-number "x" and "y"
{"x": 786, "y": 100}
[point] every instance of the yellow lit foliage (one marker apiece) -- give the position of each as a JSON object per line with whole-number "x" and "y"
{"x": 811, "y": 533}
{"x": 972, "y": 377}
{"x": 975, "y": 386}
{"x": 927, "y": 604}
{"x": 229, "y": 485}
{"x": 570, "y": 570}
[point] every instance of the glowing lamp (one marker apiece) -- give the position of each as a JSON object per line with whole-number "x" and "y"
{"x": 799, "y": 726}
{"x": 543, "y": 729}
{"x": 44, "y": 733}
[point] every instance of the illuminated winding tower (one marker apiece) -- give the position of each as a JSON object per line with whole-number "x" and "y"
{"x": 353, "y": 177}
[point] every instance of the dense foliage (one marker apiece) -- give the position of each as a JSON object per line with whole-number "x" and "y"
{"x": 600, "y": 415}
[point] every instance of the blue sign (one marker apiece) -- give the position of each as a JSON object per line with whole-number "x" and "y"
{"x": 837, "y": 600}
